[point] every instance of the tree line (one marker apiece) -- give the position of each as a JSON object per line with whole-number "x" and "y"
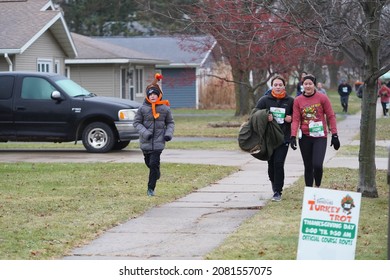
{"x": 122, "y": 17}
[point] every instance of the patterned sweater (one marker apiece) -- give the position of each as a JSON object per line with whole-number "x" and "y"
{"x": 312, "y": 109}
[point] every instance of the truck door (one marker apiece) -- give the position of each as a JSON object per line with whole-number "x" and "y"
{"x": 37, "y": 115}
{"x": 7, "y": 128}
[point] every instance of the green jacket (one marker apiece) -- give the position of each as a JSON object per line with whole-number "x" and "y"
{"x": 260, "y": 137}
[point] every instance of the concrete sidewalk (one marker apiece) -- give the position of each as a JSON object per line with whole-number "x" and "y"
{"x": 192, "y": 226}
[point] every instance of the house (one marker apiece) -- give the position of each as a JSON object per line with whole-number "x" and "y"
{"x": 110, "y": 70}
{"x": 187, "y": 82}
{"x": 34, "y": 37}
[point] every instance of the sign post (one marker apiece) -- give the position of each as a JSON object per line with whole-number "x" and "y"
{"x": 329, "y": 224}
{"x": 388, "y": 222}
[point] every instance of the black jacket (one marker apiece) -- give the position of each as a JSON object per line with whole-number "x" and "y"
{"x": 344, "y": 90}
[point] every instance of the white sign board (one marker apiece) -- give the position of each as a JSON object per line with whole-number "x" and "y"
{"x": 329, "y": 224}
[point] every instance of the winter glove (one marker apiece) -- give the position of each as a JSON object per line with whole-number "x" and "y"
{"x": 149, "y": 137}
{"x": 293, "y": 142}
{"x": 167, "y": 138}
{"x": 335, "y": 142}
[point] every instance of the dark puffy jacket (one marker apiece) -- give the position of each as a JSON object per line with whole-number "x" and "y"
{"x": 260, "y": 137}
{"x": 152, "y": 131}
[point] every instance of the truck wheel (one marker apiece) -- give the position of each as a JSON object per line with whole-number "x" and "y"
{"x": 120, "y": 145}
{"x": 98, "y": 137}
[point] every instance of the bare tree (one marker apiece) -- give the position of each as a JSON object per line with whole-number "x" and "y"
{"x": 357, "y": 28}
{"x": 238, "y": 27}
{"x": 256, "y": 43}
{"x": 360, "y": 30}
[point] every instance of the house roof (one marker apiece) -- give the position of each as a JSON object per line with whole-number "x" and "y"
{"x": 94, "y": 51}
{"x": 181, "y": 51}
{"x": 22, "y": 22}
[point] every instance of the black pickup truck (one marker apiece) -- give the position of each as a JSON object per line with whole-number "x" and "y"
{"x": 43, "y": 107}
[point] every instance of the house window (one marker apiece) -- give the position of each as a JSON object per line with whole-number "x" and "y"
{"x": 123, "y": 82}
{"x": 57, "y": 66}
{"x": 130, "y": 77}
{"x": 44, "y": 65}
{"x": 139, "y": 82}
{"x": 67, "y": 71}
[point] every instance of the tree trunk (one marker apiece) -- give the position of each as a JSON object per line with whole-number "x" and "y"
{"x": 244, "y": 96}
{"x": 333, "y": 75}
{"x": 367, "y": 167}
{"x": 334, "y": 69}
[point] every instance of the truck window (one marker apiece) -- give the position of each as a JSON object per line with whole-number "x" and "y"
{"x": 6, "y": 86}
{"x": 36, "y": 88}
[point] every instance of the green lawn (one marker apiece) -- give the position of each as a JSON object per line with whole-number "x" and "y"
{"x": 48, "y": 209}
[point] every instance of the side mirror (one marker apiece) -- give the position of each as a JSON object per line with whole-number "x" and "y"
{"x": 56, "y": 95}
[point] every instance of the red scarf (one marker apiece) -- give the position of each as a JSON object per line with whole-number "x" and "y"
{"x": 279, "y": 95}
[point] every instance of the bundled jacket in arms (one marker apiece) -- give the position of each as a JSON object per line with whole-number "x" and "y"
{"x": 258, "y": 136}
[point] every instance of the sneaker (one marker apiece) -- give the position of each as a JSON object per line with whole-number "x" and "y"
{"x": 150, "y": 192}
{"x": 277, "y": 197}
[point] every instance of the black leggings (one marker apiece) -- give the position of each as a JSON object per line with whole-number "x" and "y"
{"x": 152, "y": 161}
{"x": 276, "y": 167}
{"x": 384, "y": 107}
{"x": 313, "y": 154}
{"x": 344, "y": 103}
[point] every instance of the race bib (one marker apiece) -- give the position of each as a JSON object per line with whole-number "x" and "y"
{"x": 278, "y": 113}
{"x": 316, "y": 129}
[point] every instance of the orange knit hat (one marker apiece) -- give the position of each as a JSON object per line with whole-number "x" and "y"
{"x": 155, "y": 88}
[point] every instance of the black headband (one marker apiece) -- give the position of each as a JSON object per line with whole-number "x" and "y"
{"x": 153, "y": 90}
{"x": 308, "y": 77}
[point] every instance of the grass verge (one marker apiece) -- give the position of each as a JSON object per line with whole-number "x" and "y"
{"x": 272, "y": 234}
{"x": 353, "y": 151}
